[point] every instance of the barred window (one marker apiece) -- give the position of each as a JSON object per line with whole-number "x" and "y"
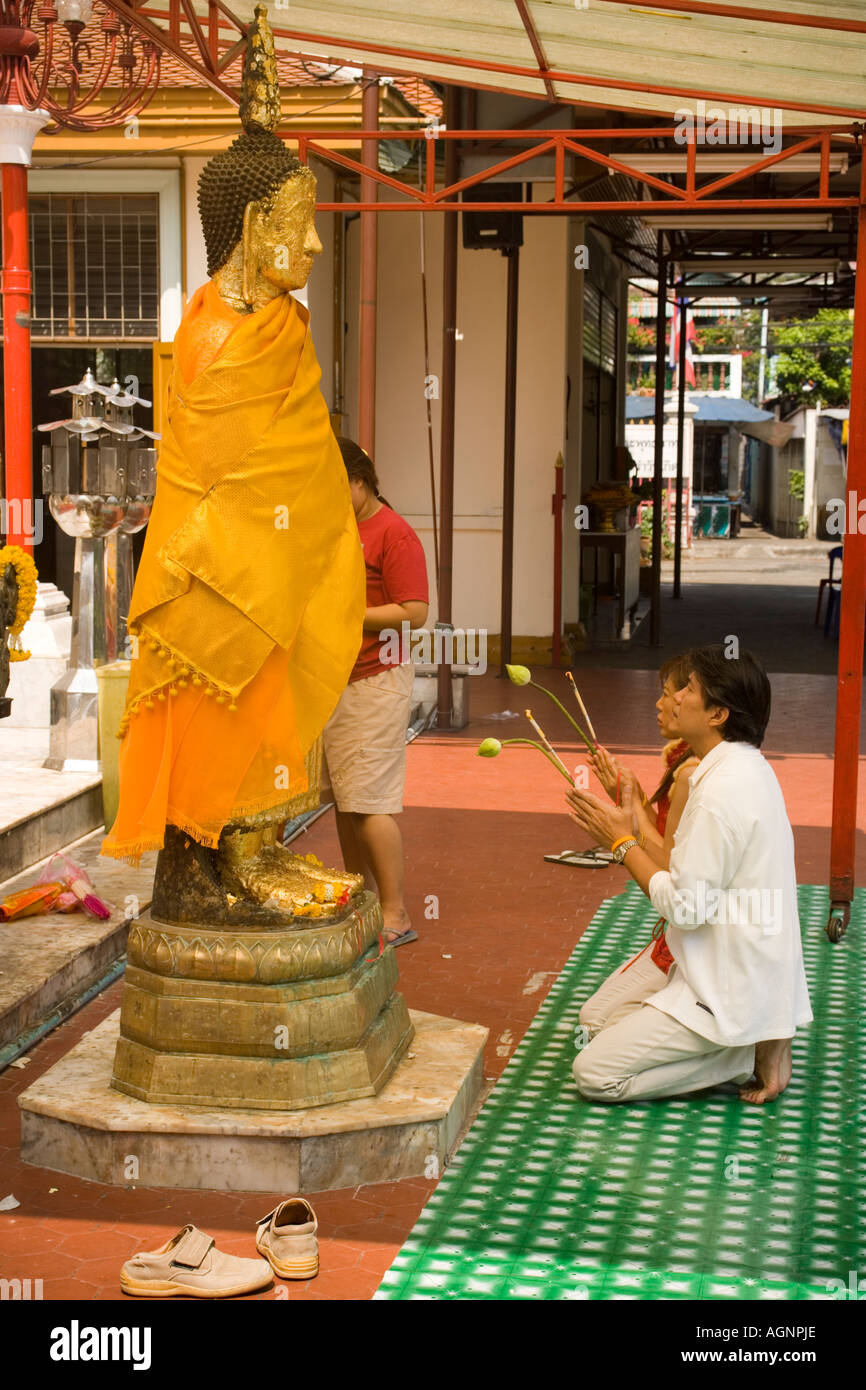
{"x": 95, "y": 263}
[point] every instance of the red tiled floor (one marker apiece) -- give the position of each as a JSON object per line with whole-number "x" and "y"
{"x": 496, "y": 925}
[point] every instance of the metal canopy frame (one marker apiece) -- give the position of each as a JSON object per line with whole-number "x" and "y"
{"x": 694, "y": 197}
{"x": 209, "y": 46}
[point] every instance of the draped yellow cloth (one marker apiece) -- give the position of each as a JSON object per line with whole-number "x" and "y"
{"x": 249, "y": 600}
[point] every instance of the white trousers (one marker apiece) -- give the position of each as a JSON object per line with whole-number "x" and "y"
{"x": 639, "y": 1053}
{"x": 623, "y": 991}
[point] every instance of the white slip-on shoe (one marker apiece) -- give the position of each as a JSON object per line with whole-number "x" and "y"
{"x": 287, "y": 1238}
{"x": 191, "y": 1264}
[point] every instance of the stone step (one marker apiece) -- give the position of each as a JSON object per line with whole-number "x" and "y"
{"x": 40, "y": 811}
{"x": 50, "y": 964}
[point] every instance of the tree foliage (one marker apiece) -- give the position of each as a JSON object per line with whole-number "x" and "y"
{"x": 814, "y": 362}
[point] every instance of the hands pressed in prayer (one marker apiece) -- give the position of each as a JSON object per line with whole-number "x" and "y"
{"x": 613, "y": 774}
{"x": 606, "y": 824}
{"x": 605, "y": 767}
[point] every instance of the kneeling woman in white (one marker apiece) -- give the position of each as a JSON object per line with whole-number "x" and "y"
{"x": 737, "y": 992}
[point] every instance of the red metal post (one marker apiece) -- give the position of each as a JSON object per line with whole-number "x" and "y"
{"x": 661, "y": 366}
{"x": 447, "y": 393}
{"x": 681, "y": 429}
{"x": 369, "y": 271}
{"x": 508, "y": 470}
{"x": 853, "y": 602}
{"x": 558, "y": 499}
{"x": 18, "y": 459}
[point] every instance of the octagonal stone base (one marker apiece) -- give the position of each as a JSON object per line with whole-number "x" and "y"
{"x": 264, "y": 1018}
{"x": 73, "y": 1121}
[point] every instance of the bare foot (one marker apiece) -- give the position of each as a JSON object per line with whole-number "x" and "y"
{"x": 772, "y": 1072}
{"x": 396, "y": 923}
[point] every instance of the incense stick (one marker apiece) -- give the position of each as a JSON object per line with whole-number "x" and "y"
{"x": 582, "y": 707}
{"x": 541, "y": 734}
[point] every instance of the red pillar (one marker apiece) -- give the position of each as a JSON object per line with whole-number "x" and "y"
{"x": 853, "y": 602}
{"x": 18, "y": 453}
{"x": 369, "y": 269}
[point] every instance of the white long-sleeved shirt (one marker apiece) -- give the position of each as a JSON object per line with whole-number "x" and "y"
{"x": 729, "y": 897}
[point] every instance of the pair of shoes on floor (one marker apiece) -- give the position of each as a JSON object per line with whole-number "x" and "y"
{"x": 191, "y": 1264}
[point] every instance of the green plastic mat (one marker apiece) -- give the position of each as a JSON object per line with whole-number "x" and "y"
{"x": 553, "y": 1197}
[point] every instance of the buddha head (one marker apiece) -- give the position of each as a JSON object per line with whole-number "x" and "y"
{"x": 257, "y": 201}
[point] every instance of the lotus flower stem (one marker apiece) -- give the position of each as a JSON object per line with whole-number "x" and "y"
{"x": 532, "y": 744}
{"x": 583, "y": 708}
{"x": 545, "y": 740}
{"x": 572, "y": 722}
{"x": 521, "y": 675}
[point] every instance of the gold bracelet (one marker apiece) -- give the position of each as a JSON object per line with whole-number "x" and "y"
{"x": 621, "y": 841}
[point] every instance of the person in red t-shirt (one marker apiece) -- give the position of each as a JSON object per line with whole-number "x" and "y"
{"x": 365, "y": 738}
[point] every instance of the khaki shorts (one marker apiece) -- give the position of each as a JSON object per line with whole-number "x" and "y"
{"x": 365, "y": 743}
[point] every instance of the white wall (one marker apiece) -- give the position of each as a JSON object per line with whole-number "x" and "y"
{"x": 402, "y": 450}
{"x": 195, "y": 256}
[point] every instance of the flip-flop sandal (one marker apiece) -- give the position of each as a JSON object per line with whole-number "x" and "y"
{"x": 581, "y": 859}
{"x": 403, "y": 939}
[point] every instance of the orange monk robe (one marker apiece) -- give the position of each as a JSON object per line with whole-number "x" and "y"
{"x": 249, "y": 600}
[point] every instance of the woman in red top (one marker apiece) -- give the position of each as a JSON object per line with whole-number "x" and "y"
{"x": 365, "y": 738}
{"x": 658, "y": 818}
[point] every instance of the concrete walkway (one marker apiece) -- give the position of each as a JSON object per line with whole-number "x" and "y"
{"x": 760, "y": 588}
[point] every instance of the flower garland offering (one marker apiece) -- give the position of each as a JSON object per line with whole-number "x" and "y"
{"x": 26, "y": 577}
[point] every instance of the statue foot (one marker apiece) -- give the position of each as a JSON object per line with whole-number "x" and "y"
{"x": 254, "y": 865}
{"x": 251, "y": 880}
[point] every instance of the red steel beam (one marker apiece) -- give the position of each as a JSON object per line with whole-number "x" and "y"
{"x": 369, "y": 273}
{"x": 758, "y": 167}
{"x": 853, "y": 602}
{"x": 558, "y": 141}
{"x": 166, "y": 44}
{"x": 634, "y": 208}
{"x": 848, "y": 133}
{"x": 614, "y": 82}
{"x": 532, "y": 34}
{"x": 762, "y": 16}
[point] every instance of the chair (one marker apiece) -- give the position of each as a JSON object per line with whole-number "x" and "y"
{"x": 834, "y": 609}
{"x": 835, "y": 583}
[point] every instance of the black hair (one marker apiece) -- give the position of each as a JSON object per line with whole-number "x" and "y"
{"x": 360, "y": 465}
{"x": 738, "y": 684}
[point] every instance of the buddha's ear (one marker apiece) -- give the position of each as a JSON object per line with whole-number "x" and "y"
{"x": 248, "y": 253}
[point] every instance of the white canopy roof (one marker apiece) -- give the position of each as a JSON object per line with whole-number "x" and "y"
{"x": 807, "y": 57}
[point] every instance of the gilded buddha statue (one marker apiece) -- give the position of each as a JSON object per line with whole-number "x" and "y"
{"x": 249, "y": 600}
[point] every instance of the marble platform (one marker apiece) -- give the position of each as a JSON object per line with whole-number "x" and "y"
{"x": 73, "y": 1122}
{"x": 40, "y": 811}
{"x": 49, "y": 961}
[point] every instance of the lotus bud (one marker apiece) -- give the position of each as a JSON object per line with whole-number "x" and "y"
{"x": 489, "y": 748}
{"x": 519, "y": 675}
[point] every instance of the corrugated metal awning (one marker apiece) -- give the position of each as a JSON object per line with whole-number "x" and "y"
{"x": 712, "y": 410}
{"x": 807, "y": 57}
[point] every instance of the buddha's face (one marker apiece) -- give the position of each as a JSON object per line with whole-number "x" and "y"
{"x": 285, "y": 240}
